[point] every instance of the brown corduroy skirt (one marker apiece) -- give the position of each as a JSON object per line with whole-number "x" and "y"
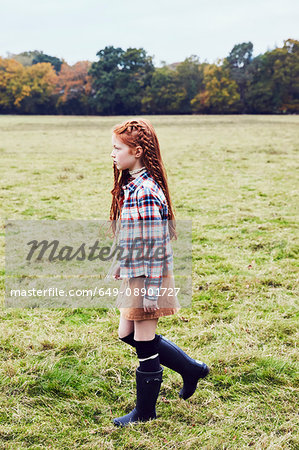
{"x": 133, "y": 299}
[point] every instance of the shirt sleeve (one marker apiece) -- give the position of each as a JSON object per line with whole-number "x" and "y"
{"x": 149, "y": 208}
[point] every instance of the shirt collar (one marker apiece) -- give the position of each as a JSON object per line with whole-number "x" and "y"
{"x": 136, "y": 181}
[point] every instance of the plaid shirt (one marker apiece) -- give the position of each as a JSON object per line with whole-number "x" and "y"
{"x": 143, "y": 229}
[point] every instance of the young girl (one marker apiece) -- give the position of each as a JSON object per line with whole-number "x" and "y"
{"x": 141, "y": 196}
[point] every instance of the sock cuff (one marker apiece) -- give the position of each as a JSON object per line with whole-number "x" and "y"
{"x": 129, "y": 339}
{"x": 150, "y": 357}
{"x": 144, "y": 349}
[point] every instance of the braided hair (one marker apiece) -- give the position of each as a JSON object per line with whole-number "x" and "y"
{"x": 140, "y": 132}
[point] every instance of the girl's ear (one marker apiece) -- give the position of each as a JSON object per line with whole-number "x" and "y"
{"x": 138, "y": 151}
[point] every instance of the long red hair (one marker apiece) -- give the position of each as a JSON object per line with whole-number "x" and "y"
{"x": 133, "y": 133}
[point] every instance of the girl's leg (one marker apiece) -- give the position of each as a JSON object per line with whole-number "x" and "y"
{"x": 148, "y": 374}
{"x": 142, "y": 335}
{"x": 145, "y": 329}
{"x": 173, "y": 357}
{"x": 125, "y": 327}
{"x": 147, "y": 345}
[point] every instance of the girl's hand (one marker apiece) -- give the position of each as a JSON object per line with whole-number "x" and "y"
{"x": 149, "y": 305}
{"x": 116, "y": 272}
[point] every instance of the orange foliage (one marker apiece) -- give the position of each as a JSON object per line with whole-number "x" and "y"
{"x": 73, "y": 81}
{"x": 18, "y": 82}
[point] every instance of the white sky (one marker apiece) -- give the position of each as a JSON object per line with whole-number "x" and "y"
{"x": 169, "y": 30}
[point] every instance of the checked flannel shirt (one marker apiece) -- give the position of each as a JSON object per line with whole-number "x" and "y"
{"x": 144, "y": 229}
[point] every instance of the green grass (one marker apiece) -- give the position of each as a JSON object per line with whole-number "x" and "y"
{"x": 64, "y": 374}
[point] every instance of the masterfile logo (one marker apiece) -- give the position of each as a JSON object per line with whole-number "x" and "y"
{"x": 68, "y": 263}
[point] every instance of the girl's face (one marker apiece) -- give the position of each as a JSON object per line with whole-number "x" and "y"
{"x": 121, "y": 154}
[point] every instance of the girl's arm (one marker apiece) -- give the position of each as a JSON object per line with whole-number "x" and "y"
{"x": 153, "y": 233}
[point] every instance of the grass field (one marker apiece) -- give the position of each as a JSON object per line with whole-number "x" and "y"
{"x": 64, "y": 374}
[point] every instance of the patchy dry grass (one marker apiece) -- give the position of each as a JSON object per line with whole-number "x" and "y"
{"x": 64, "y": 374}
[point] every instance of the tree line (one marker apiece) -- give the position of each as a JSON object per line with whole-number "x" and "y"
{"x": 125, "y": 82}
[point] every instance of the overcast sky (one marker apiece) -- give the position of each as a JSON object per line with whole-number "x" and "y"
{"x": 169, "y": 30}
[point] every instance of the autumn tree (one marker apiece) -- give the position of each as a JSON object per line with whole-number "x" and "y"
{"x": 26, "y": 89}
{"x": 275, "y": 80}
{"x": 220, "y": 93}
{"x": 126, "y": 82}
{"x": 12, "y": 88}
{"x": 73, "y": 88}
{"x": 40, "y": 80}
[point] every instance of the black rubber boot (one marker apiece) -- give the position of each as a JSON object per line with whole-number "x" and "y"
{"x": 176, "y": 359}
{"x": 148, "y": 387}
